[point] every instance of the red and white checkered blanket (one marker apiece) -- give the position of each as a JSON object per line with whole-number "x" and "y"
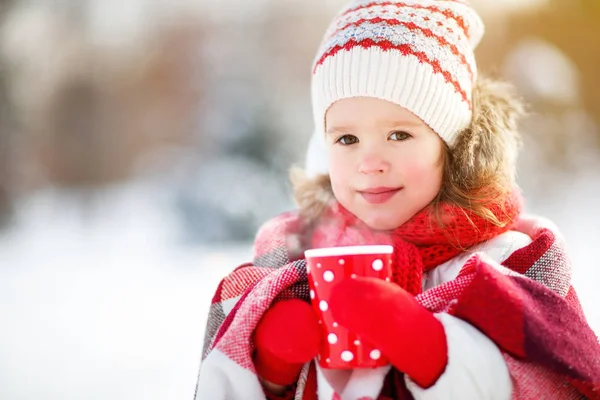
{"x": 527, "y": 306}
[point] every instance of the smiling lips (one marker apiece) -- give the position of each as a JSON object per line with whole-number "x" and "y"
{"x": 378, "y": 195}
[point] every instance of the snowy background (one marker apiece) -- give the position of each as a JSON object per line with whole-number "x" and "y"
{"x": 143, "y": 142}
{"x": 104, "y": 305}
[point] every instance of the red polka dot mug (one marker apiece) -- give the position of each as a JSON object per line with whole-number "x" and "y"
{"x": 326, "y": 267}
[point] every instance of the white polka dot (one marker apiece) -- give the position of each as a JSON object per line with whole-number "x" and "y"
{"x": 312, "y": 294}
{"x": 357, "y": 342}
{"x": 347, "y": 356}
{"x": 328, "y": 276}
{"x": 332, "y": 338}
{"x": 375, "y": 354}
{"x": 318, "y": 265}
{"x": 335, "y": 325}
{"x": 388, "y": 280}
{"x": 316, "y": 284}
{"x": 377, "y": 265}
{"x": 328, "y": 361}
{"x": 353, "y": 276}
{"x": 323, "y": 305}
{"x": 341, "y": 261}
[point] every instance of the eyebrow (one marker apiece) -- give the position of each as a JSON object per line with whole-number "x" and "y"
{"x": 412, "y": 124}
{"x": 338, "y": 129}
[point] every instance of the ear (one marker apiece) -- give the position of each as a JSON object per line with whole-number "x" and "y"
{"x": 489, "y": 146}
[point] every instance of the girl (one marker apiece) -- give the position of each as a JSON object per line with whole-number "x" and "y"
{"x": 419, "y": 153}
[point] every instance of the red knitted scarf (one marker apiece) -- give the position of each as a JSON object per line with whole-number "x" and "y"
{"x": 420, "y": 244}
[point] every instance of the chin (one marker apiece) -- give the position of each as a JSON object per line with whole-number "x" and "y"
{"x": 382, "y": 222}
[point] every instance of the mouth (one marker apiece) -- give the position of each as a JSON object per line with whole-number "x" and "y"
{"x": 379, "y": 195}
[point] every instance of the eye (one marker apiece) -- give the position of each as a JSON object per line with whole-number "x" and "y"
{"x": 400, "y": 136}
{"x": 347, "y": 140}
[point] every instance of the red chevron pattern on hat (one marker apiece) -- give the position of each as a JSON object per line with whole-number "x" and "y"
{"x": 417, "y": 54}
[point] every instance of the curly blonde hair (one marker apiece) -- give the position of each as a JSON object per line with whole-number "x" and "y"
{"x": 479, "y": 169}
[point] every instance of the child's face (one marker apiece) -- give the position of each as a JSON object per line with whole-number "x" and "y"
{"x": 384, "y": 162}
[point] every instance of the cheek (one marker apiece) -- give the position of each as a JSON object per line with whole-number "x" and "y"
{"x": 339, "y": 181}
{"x": 425, "y": 172}
{"x": 417, "y": 169}
{"x": 339, "y": 170}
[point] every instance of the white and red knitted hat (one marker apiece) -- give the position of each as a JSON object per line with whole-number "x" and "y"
{"x": 415, "y": 53}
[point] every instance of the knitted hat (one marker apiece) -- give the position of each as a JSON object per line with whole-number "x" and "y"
{"x": 415, "y": 53}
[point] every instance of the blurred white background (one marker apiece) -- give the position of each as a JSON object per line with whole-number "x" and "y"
{"x": 142, "y": 143}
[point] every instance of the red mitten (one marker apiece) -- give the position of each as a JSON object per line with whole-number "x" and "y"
{"x": 392, "y": 320}
{"x": 286, "y": 338}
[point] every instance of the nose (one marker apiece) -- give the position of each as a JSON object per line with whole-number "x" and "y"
{"x": 373, "y": 162}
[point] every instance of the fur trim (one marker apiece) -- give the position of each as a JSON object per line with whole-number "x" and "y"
{"x": 491, "y": 143}
{"x": 311, "y": 194}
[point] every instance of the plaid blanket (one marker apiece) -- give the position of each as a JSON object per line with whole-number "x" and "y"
{"x": 527, "y": 306}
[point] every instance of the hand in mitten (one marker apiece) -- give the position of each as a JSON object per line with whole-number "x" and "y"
{"x": 286, "y": 338}
{"x": 392, "y": 320}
